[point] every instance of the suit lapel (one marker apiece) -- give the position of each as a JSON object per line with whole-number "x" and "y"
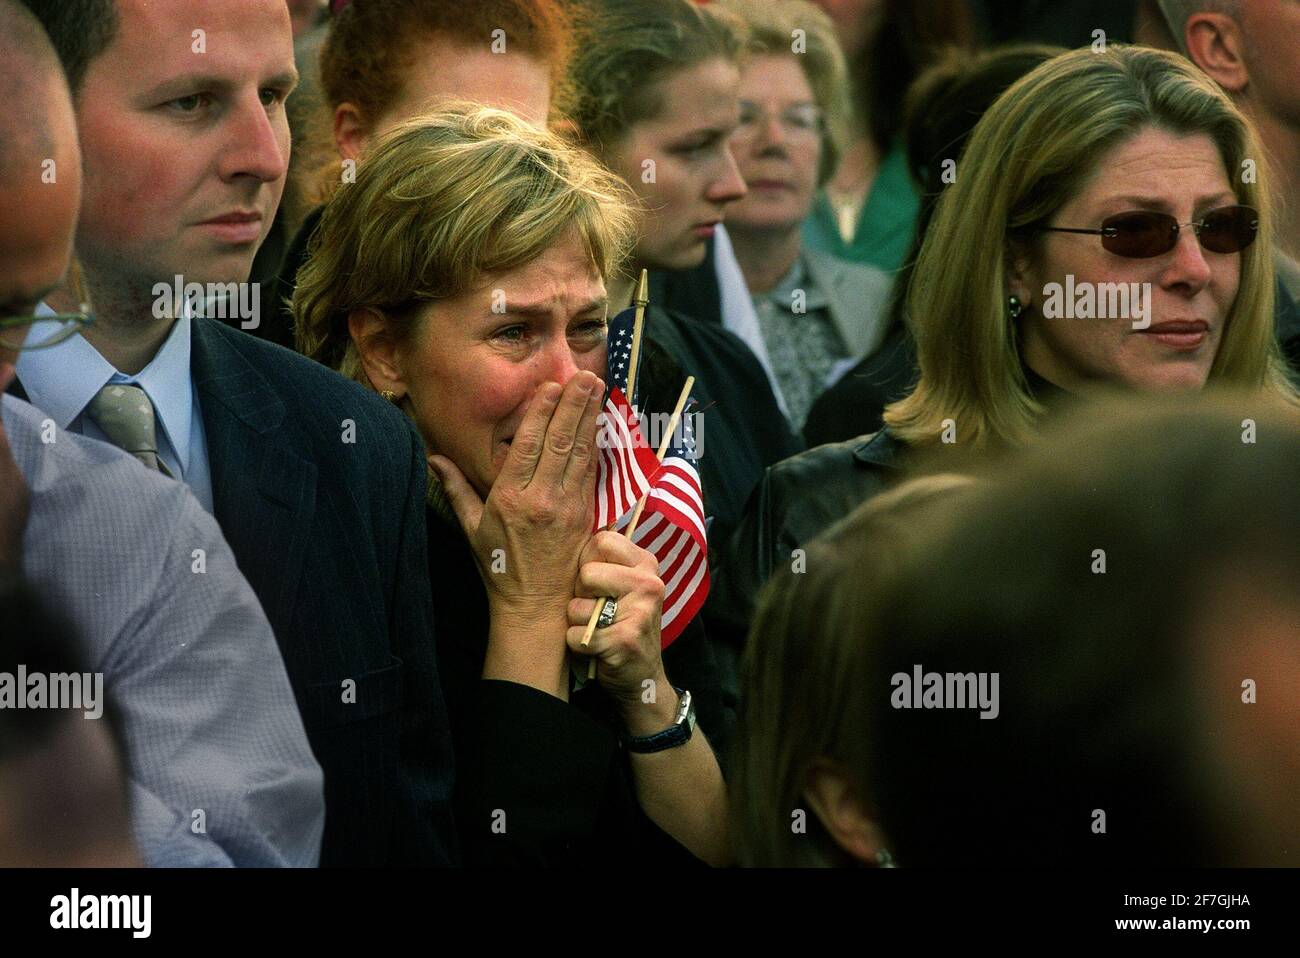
{"x": 857, "y": 307}
{"x": 830, "y": 280}
{"x": 264, "y": 494}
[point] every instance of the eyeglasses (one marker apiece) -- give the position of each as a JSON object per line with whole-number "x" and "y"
{"x": 40, "y": 332}
{"x": 1141, "y": 234}
{"x": 800, "y": 121}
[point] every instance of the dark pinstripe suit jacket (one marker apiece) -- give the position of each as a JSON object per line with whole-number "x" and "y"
{"x": 331, "y": 536}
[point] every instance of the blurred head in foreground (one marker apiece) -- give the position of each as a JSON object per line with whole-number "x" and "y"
{"x": 1087, "y": 658}
{"x": 801, "y": 793}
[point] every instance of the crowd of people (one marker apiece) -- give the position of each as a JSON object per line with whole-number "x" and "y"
{"x": 305, "y": 345}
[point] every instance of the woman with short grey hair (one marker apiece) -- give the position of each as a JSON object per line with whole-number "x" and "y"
{"x": 817, "y": 315}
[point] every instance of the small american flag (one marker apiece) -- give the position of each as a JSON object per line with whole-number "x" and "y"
{"x": 673, "y": 529}
{"x": 626, "y": 466}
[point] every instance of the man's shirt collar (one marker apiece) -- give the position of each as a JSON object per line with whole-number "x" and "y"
{"x": 62, "y": 380}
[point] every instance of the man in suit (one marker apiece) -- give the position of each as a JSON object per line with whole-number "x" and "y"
{"x": 317, "y": 484}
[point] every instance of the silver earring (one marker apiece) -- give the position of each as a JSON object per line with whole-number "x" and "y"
{"x": 1014, "y": 307}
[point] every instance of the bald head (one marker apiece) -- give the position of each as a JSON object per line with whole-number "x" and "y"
{"x": 40, "y": 164}
{"x": 1249, "y": 50}
{"x": 21, "y": 34}
{"x": 29, "y": 69}
{"x": 1178, "y": 12}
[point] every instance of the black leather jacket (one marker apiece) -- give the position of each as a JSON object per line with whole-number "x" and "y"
{"x": 796, "y": 500}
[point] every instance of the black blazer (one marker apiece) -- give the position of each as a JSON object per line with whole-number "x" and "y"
{"x": 742, "y": 430}
{"x": 331, "y": 536}
{"x": 855, "y": 405}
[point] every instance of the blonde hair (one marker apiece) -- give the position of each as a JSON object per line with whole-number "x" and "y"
{"x": 1030, "y": 153}
{"x": 440, "y": 202}
{"x": 773, "y": 28}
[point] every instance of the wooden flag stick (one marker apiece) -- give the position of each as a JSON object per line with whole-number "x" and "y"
{"x": 663, "y": 448}
{"x": 641, "y": 300}
{"x": 640, "y": 507}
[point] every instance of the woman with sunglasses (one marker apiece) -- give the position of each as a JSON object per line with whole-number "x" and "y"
{"x": 1123, "y": 167}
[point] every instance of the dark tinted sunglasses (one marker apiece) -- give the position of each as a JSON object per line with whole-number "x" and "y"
{"x": 1141, "y": 234}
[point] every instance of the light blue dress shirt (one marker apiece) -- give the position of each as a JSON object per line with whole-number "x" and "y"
{"x": 62, "y": 380}
{"x": 188, "y": 657}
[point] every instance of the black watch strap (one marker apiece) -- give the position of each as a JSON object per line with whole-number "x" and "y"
{"x": 679, "y": 733}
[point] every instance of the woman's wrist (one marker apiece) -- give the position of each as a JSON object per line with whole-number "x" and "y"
{"x": 517, "y": 650}
{"x": 642, "y": 717}
{"x": 528, "y": 613}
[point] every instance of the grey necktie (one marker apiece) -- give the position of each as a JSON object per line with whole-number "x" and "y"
{"x": 126, "y": 416}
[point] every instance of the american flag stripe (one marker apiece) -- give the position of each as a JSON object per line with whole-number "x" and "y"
{"x": 676, "y": 563}
{"x": 673, "y": 530}
{"x": 648, "y": 528}
{"x": 686, "y": 599}
{"x": 681, "y": 604}
{"x": 672, "y": 525}
{"x": 673, "y": 494}
{"x": 661, "y": 538}
{"x": 626, "y": 467}
{"x": 623, "y": 472}
{"x": 684, "y": 572}
{"x": 683, "y": 566}
{"x": 686, "y": 509}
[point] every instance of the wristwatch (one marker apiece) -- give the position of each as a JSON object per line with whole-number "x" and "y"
{"x": 679, "y": 733}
